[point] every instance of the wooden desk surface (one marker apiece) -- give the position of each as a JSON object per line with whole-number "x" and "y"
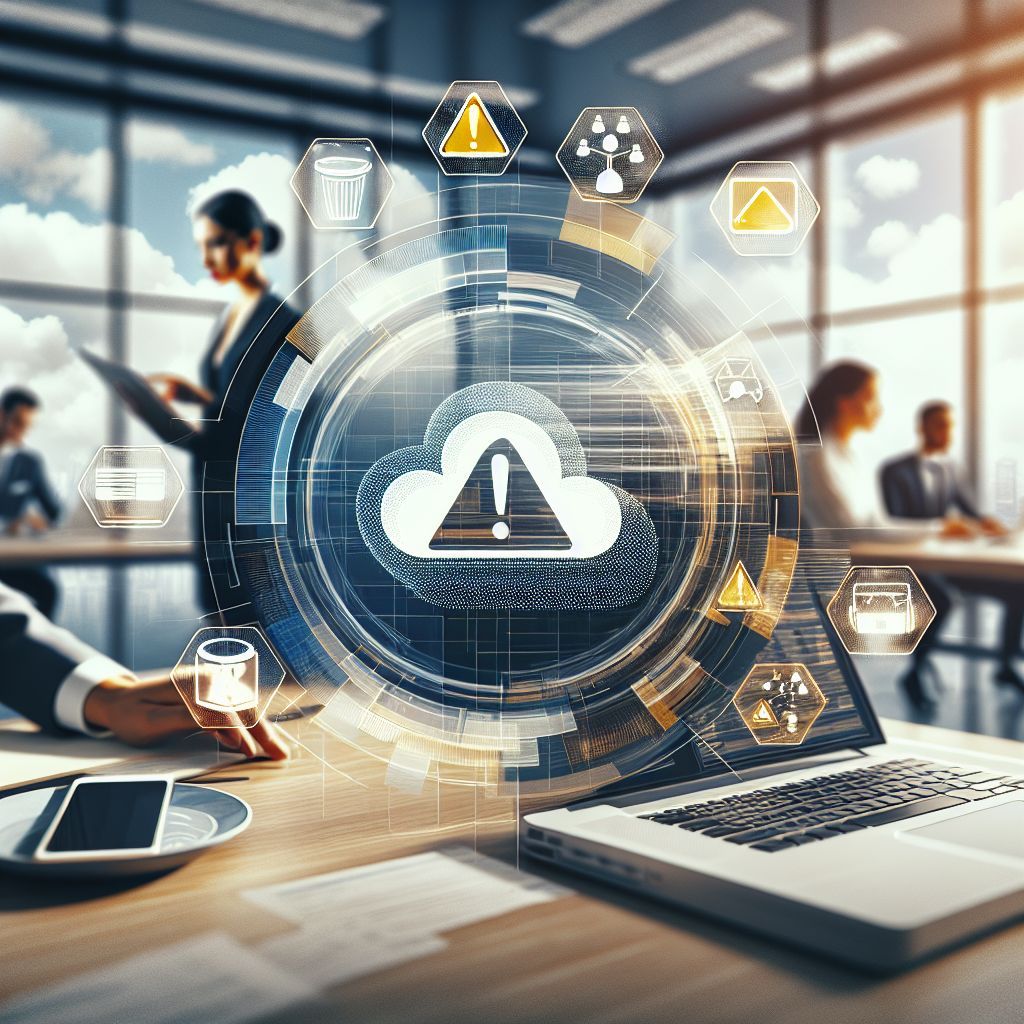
{"x": 99, "y": 547}
{"x": 983, "y": 560}
{"x": 598, "y": 956}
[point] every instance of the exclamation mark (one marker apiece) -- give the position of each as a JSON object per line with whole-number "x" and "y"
{"x": 499, "y": 480}
{"x": 474, "y": 124}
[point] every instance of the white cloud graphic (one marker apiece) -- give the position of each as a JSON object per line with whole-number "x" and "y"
{"x": 416, "y": 503}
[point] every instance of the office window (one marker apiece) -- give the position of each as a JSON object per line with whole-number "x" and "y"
{"x": 895, "y": 215}
{"x": 1003, "y": 198}
{"x": 1002, "y": 424}
{"x": 174, "y": 165}
{"x": 54, "y": 193}
{"x": 918, "y": 359}
{"x": 36, "y": 350}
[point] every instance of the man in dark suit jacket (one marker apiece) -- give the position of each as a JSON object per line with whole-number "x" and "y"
{"x": 924, "y": 485}
{"x": 63, "y": 685}
{"x": 27, "y": 501}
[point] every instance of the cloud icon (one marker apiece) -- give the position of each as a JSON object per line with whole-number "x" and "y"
{"x": 495, "y": 510}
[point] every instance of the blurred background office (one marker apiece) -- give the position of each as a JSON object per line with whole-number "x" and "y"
{"x": 119, "y": 117}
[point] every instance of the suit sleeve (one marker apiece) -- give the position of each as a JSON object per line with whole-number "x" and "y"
{"x": 962, "y": 500}
{"x": 37, "y": 657}
{"x": 44, "y": 493}
{"x": 892, "y": 493}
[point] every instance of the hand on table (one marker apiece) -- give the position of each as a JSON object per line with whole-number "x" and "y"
{"x": 146, "y": 711}
{"x": 957, "y": 529}
{"x": 992, "y": 527}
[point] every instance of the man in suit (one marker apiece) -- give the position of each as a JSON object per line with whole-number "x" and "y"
{"x": 924, "y": 484}
{"x": 27, "y": 501}
{"x": 64, "y": 686}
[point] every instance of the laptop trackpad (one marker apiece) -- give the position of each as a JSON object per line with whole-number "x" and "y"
{"x": 998, "y": 830}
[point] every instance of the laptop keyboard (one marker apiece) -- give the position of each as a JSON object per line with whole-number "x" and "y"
{"x": 810, "y": 810}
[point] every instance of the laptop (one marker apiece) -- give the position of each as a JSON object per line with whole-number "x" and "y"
{"x": 876, "y": 853}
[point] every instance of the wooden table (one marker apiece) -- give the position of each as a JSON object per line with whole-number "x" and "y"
{"x": 598, "y": 956}
{"x": 981, "y": 560}
{"x": 105, "y": 549}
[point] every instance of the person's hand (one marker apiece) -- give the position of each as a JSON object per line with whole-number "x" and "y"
{"x": 992, "y": 527}
{"x": 34, "y": 521}
{"x": 144, "y": 712}
{"x": 956, "y": 529}
{"x": 31, "y": 521}
{"x": 173, "y": 388}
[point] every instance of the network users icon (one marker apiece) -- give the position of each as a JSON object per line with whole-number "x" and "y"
{"x": 610, "y": 154}
{"x": 779, "y": 703}
{"x": 496, "y": 510}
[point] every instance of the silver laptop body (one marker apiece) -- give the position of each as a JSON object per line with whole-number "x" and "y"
{"x": 880, "y": 897}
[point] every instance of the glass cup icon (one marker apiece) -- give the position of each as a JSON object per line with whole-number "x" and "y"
{"x": 227, "y": 675}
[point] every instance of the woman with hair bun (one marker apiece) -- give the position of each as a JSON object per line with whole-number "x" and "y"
{"x": 233, "y": 236}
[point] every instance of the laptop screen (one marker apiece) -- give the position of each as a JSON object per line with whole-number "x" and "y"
{"x": 804, "y": 634}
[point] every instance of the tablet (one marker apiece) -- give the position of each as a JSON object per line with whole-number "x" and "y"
{"x": 138, "y": 394}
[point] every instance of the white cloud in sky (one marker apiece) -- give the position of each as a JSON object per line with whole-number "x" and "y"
{"x": 889, "y": 177}
{"x": 71, "y": 425}
{"x": 166, "y": 143}
{"x": 264, "y": 176}
{"x": 42, "y": 170}
{"x": 845, "y": 213}
{"x": 889, "y": 238}
{"x": 59, "y": 249}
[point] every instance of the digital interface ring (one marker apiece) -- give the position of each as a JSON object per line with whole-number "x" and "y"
{"x": 516, "y": 503}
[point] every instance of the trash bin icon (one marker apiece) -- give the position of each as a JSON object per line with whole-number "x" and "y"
{"x": 227, "y": 674}
{"x": 342, "y": 182}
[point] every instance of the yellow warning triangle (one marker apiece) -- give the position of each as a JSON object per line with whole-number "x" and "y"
{"x": 739, "y": 594}
{"x": 763, "y": 212}
{"x": 763, "y": 714}
{"x": 473, "y": 132}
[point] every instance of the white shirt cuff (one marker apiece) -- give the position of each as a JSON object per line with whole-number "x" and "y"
{"x": 69, "y": 703}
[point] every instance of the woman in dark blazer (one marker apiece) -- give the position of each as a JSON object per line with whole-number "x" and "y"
{"x": 233, "y": 235}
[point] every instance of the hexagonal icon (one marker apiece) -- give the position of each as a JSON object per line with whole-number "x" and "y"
{"x": 881, "y": 609}
{"x": 227, "y": 676}
{"x": 342, "y": 184}
{"x": 779, "y": 702}
{"x": 474, "y": 130}
{"x": 765, "y": 208}
{"x": 131, "y": 487}
{"x": 609, "y": 155}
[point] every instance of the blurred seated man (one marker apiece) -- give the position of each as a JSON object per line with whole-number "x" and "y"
{"x": 924, "y": 484}
{"x": 64, "y": 686}
{"x": 27, "y": 501}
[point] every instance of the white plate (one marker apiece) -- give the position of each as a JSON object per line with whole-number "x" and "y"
{"x": 198, "y": 817}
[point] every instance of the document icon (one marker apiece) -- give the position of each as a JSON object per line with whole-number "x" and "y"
{"x": 131, "y": 486}
{"x": 117, "y": 483}
{"x": 763, "y": 206}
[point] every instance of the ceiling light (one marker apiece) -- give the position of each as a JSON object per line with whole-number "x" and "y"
{"x": 719, "y": 43}
{"x": 841, "y": 56}
{"x": 347, "y": 19}
{"x": 575, "y": 23}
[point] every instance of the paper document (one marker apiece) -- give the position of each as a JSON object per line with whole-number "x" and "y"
{"x": 209, "y": 978}
{"x": 325, "y": 956}
{"x": 425, "y": 894}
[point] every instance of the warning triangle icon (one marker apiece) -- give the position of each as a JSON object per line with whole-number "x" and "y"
{"x": 473, "y": 132}
{"x": 763, "y": 212}
{"x": 739, "y": 594}
{"x": 501, "y": 509}
{"x": 763, "y": 715}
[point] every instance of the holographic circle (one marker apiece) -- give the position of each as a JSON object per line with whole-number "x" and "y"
{"x": 612, "y": 381}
